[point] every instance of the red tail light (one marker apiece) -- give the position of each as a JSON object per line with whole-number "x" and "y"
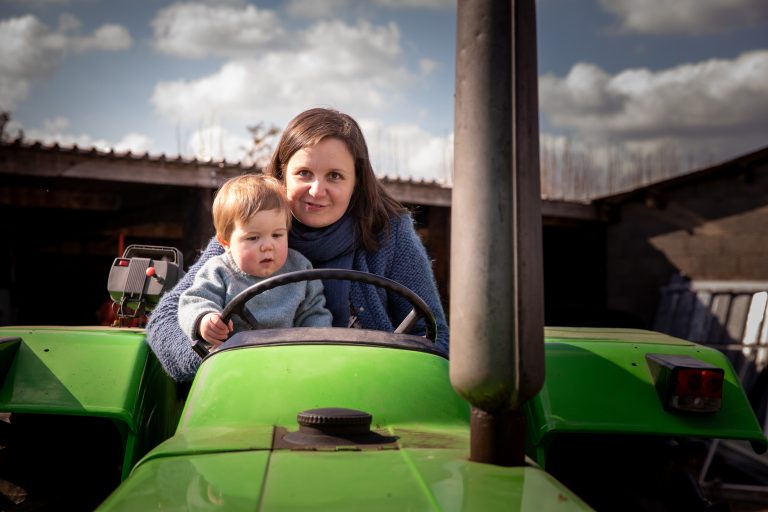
{"x": 687, "y": 384}
{"x": 695, "y": 382}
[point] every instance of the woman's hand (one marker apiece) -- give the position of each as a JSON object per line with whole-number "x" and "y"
{"x": 214, "y": 330}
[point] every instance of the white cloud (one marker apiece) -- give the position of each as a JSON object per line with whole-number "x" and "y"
{"x": 427, "y": 66}
{"x": 432, "y": 159}
{"x": 583, "y": 90}
{"x": 136, "y": 143}
{"x": 12, "y": 90}
{"x": 69, "y": 23}
{"x": 195, "y": 30}
{"x": 217, "y": 143}
{"x": 408, "y": 151}
{"x": 330, "y": 8}
{"x": 106, "y": 37}
{"x": 357, "y": 68}
{"x": 716, "y": 106}
{"x": 58, "y": 130}
{"x": 29, "y": 50}
{"x": 417, "y": 4}
{"x": 316, "y": 8}
{"x": 687, "y": 16}
{"x": 55, "y": 126}
{"x": 354, "y": 68}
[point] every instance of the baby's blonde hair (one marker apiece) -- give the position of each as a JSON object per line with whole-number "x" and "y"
{"x": 242, "y": 197}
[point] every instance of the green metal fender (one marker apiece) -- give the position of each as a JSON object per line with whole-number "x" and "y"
{"x": 598, "y": 381}
{"x": 96, "y": 372}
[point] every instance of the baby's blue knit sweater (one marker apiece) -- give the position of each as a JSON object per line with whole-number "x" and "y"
{"x": 219, "y": 281}
{"x": 401, "y": 257}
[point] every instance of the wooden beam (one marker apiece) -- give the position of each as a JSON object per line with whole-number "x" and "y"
{"x": 571, "y": 211}
{"x": 26, "y": 197}
{"x": 428, "y": 194}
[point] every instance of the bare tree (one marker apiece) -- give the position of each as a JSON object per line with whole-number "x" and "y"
{"x": 263, "y": 141}
{"x": 5, "y": 118}
{"x": 581, "y": 172}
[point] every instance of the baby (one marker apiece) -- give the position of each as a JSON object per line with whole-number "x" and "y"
{"x": 252, "y": 218}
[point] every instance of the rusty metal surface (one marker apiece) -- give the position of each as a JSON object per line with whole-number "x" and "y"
{"x": 377, "y": 440}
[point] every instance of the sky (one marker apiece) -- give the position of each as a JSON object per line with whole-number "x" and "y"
{"x": 621, "y": 82}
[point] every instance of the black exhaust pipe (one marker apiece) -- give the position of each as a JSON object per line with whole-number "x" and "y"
{"x": 497, "y": 297}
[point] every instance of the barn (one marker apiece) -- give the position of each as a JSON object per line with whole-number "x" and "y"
{"x": 69, "y": 211}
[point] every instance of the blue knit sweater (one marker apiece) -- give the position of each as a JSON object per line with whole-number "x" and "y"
{"x": 401, "y": 257}
{"x": 220, "y": 280}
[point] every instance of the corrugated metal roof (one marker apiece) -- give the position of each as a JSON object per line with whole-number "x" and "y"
{"x": 128, "y": 155}
{"x": 161, "y": 157}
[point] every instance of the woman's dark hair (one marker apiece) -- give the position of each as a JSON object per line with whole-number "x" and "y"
{"x": 371, "y": 205}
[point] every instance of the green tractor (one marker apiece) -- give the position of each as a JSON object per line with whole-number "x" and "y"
{"x": 351, "y": 419}
{"x": 344, "y": 419}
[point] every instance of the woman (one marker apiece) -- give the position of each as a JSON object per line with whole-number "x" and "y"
{"x": 343, "y": 219}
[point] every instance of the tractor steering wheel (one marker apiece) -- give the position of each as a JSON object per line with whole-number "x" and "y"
{"x": 237, "y": 305}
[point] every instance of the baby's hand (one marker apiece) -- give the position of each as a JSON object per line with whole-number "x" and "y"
{"x": 214, "y": 330}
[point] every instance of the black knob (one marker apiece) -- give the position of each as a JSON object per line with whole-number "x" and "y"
{"x": 334, "y": 421}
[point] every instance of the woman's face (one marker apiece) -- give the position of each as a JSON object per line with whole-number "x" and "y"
{"x": 320, "y": 180}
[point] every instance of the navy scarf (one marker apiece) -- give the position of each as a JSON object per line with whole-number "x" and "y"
{"x": 329, "y": 247}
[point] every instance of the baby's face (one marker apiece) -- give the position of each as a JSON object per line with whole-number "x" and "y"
{"x": 260, "y": 246}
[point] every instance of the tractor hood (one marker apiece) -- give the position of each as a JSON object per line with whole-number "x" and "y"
{"x": 408, "y": 476}
{"x": 229, "y": 450}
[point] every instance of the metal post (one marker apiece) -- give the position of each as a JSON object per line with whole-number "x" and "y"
{"x": 497, "y": 319}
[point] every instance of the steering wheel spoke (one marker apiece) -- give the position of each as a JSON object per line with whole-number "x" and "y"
{"x": 246, "y": 315}
{"x": 408, "y": 323}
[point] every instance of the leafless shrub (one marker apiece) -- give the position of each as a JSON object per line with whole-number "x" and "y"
{"x": 582, "y": 172}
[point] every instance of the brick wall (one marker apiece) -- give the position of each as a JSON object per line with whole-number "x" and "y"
{"x": 708, "y": 228}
